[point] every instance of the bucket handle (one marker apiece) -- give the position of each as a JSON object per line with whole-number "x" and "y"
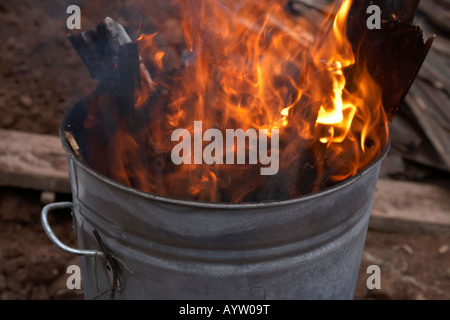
{"x": 51, "y": 235}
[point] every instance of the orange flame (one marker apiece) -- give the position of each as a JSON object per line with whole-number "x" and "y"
{"x": 251, "y": 64}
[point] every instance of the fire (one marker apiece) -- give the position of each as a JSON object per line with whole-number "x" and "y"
{"x": 252, "y": 65}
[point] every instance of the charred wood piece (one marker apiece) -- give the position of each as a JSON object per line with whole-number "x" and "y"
{"x": 393, "y": 54}
{"x": 99, "y": 49}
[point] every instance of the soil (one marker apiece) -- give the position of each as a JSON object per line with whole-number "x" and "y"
{"x": 41, "y": 76}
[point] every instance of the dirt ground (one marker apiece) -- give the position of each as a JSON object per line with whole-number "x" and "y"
{"x": 40, "y": 77}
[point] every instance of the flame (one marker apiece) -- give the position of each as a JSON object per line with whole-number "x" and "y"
{"x": 252, "y": 65}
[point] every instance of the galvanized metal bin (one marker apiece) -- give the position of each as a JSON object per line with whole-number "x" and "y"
{"x": 305, "y": 248}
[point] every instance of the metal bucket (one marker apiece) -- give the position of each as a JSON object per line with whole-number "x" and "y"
{"x": 161, "y": 248}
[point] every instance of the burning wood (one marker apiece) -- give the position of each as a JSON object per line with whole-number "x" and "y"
{"x": 99, "y": 49}
{"x": 328, "y": 85}
{"x": 113, "y": 59}
{"x": 393, "y": 54}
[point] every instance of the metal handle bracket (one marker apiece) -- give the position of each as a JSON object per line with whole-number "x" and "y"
{"x": 51, "y": 235}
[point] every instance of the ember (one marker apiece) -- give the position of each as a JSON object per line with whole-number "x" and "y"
{"x": 245, "y": 65}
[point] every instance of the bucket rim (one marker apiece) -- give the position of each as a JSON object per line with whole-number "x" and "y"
{"x": 208, "y": 204}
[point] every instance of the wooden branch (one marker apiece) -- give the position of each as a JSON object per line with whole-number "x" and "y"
{"x": 100, "y": 50}
{"x": 129, "y": 78}
{"x": 116, "y": 31}
{"x": 113, "y": 59}
{"x": 73, "y": 143}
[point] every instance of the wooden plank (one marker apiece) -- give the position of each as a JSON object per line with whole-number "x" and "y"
{"x": 36, "y": 161}
{"x": 401, "y": 206}
{"x": 431, "y": 125}
{"x": 33, "y": 161}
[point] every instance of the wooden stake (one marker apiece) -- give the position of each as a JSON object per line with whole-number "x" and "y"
{"x": 73, "y": 143}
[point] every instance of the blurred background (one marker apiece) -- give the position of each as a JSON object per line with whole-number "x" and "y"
{"x": 42, "y": 76}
